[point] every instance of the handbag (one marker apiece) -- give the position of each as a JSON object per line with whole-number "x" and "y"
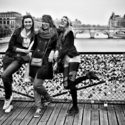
{"x": 36, "y": 62}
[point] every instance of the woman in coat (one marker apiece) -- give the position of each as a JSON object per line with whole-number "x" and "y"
{"x": 66, "y": 52}
{"x": 46, "y": 43}
{"x": 16, "y": 55}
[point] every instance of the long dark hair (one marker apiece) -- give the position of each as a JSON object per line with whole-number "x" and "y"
{"x": 28, "y": 16}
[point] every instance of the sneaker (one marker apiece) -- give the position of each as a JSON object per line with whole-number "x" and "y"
{"x": 9, "y": 109}
{"x": 73, "y": 110}
{"x": 7, "y": 103}
{"x": 38, "y": 113}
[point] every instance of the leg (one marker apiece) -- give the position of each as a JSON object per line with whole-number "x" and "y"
{"x": 39, "y": 90}
{"x": 38, "y": 87}
{"x": 73, "y": 67}
{"x": 7, "y": 81}
{"x": 65, "y": 77}
{"x": 7, "y": 77}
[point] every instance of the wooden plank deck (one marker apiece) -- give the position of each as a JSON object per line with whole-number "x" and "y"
{"x": 56, "y": 114}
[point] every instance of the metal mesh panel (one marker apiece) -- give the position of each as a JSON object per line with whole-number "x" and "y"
{"x": 109, "y": 67}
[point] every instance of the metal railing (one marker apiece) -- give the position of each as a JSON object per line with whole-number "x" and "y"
{"x": 108, "y": 66}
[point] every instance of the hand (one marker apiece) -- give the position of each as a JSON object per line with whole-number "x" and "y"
{"x": 26, "y": 51}
{"x": 56, "y": 54}
{"x": 50, "y": 58}
{"x": 30, "y": 54}
{"x": 55, "y": 66}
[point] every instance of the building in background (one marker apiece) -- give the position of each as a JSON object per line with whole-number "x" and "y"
{"x": 11, "y": 19}
{"x": 116, "y": 21}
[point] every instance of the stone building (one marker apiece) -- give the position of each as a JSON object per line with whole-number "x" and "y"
{"x": 116, "y": 21}
{"x": 11, "y": 19}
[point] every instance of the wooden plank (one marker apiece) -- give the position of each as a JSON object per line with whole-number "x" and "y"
{"x": 54, "y": 115}
{"x": 19, "y": 109}
{"x": 1, "y": 108}
{"x": 63, "y": 114}
{"x": 29, "y": 116}
{"x": 95, "y": 115}
{"x": 120, "y": 115}
{"x": 103, "y": 115}
{"x": 123, "y": 108}
{"x": 7, "y": 115}
{"x": 87, "y": 114}
{"x": 78, "y": 117}
{"x": 34, "y": 121}
{"x": 69, "y": 119}
{"x": 111, "y": 115}
{"x": 47, "y": 114}
{"x": 21, "y": 116}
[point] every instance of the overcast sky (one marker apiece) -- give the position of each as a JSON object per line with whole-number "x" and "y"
{"x": 87, "y": 11}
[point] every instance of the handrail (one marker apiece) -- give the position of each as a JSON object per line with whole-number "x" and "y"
{"x": 90, "y": 52}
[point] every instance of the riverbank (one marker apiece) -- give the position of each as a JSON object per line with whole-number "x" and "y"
{"x": 4, "y": 40}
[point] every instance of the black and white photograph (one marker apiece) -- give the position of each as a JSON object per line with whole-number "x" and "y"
{"x": 62, "y": 62}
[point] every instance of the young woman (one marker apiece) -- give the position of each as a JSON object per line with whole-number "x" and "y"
{"x": 66, "y": 52}
{"x": 16, "y": 55}
{"x": 46, "y": 39}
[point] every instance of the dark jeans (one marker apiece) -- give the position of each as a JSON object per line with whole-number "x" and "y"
{"x": 9, "y": 69}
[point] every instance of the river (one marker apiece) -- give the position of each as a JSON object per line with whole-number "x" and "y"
{"x": 92, "y": 45}
{"x": 100, "y": 45}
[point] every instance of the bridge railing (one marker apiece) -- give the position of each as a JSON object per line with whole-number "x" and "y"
{"x": 108, "y": 66}
{"x": 110, "y": 32}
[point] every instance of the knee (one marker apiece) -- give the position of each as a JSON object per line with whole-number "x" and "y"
{"x": 71, "y": 85}
{"x": 72, "y": 75}
{"x": 37, "y": 84}
{"x": 4, "y": 76}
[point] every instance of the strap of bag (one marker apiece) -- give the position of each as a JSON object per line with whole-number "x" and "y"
{"x": 31, "y": 44}
{"x": 46, "y": 47}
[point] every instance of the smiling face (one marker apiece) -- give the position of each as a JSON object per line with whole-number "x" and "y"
{"x": 45, "y": 25}
{"x": 28, "y": 23}
{"x": 64, "y": 22}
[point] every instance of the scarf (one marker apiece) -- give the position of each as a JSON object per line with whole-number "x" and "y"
{"x": 26, "y": 38}
{"x": 47, "y": 34}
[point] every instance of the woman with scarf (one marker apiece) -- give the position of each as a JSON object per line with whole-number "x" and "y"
{"x": 46, "y": 39}
{"x": 16, "y": 55}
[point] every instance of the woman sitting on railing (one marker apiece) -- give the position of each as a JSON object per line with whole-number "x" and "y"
{"x": 18, "y": 53}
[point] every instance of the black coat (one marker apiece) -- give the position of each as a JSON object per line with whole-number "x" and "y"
{"x": 43, "y": 44}
{"x": 67, "y": 46}
{"x": 16, "y": 42}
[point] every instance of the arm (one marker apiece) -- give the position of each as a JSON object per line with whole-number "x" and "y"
{"x": 53, "y": 47}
